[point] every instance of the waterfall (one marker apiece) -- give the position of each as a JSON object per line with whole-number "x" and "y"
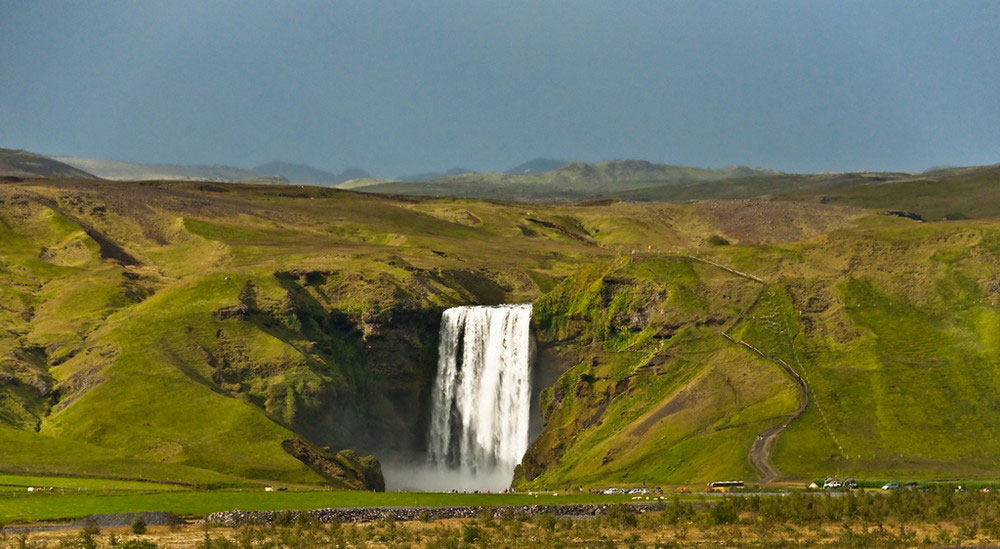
{"x": 482, "y": 393}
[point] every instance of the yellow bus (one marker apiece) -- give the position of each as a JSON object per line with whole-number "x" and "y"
{"x": 724, "y": 486}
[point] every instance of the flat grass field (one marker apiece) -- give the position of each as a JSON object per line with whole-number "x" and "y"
{"x": 22, "y": 482}
{"x": 81, "y": 497}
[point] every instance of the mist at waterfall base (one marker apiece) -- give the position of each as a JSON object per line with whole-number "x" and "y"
{"x": 481, "y": 404}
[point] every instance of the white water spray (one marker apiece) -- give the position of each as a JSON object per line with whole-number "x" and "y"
{"x": 482, "y": 394}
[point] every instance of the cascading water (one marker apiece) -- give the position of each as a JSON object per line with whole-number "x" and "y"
{"x": 482, "y": 394}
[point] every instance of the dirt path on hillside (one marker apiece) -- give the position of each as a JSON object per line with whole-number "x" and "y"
{"x": 760, "y": 451}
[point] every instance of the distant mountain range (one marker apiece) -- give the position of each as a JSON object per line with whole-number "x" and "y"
{"x": 18, "y": 163}
{"x": 569, "y": 180}
{"x": 536, "y": 178}
{"x": 124, "y": 171}
{"x": 302, "y": 173}
{"x": 537, "y": 165}
{"x": 540, "y": 179}
{"x": 272, "y": 172}
{"x": 430, "y": 176}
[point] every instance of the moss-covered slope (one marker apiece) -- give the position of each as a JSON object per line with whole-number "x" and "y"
{"x": 223, "y": 334}
{"x": 653, "y": 392}
{"x": 187, "y": 331}
{"x": 166, "y": 331}
{"x": 892, "y": 326}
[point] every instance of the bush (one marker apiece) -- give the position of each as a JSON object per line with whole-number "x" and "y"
{"x": 486, "y": 518}
{"x": 620, "y": 516}
{"x": 472, "y": 533}
{"x": 91, "y": 528}
{"x": 208, "y": 542}
{"x": 138, "y": 526}
{"x": 86, "y": 540}
{"x": 546, "y": 521}
{"x": 444, "y": 539}
{"x": 285, "y": 518}
{"x": 723, "y": 512}
{"x": 137, "y": 544}
{"x": 305, "y": 521}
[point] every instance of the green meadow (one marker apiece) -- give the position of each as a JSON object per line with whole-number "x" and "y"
{"x": 79, "y": 497}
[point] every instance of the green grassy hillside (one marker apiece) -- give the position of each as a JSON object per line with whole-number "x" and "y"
{"x": 217, "y": 334}
{"x": 952, "y": 194}
{"x": 230, "y": 335}
{"x": 895, "y": 329}
{"x": 956, "y": 193}
{"x": 653, "y": 392}
{"x": 892, "y": 325}
{"x": 757, "y": 186}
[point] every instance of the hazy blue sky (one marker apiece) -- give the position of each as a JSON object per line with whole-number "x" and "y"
{"x": 403, "y": 87}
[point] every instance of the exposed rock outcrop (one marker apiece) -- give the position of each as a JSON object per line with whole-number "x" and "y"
{"x": 343, "y": 470}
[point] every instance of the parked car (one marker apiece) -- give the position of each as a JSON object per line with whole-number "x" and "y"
{"x": 891, "y": 486}
{"x": 612, "y": 491}
{"x": 851, "y": 484}
{"x": 832, "y": 484}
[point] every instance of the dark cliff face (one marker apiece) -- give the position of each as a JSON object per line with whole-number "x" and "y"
{"x": 402, "y": 353}
{"x": 548, "y": 365}
{"x": 361, "y": 381}
{"x": 367, "y": 351}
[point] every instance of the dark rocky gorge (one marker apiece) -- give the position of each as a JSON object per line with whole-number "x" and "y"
{"x": 367, "y": 370}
